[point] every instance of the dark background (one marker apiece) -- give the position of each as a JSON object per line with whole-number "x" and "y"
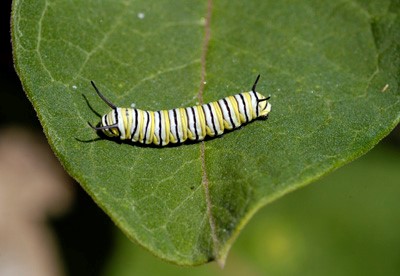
{"x": 84, "y": 232}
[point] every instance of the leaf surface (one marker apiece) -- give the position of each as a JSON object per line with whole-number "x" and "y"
{"x": 331, "y": 68}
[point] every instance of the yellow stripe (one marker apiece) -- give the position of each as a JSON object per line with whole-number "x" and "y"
{"x": 252, "y": 113}
{"x": 202, "y": 121}
{"x": 125, "y": 122}
{"x": 141, "y": 128}
{"x": 219, "y": 116}
{"x": 151, "y": 133}
{"x": 122, "y": 110}
{"x": 114, "y": 131}
{"x": 155, "y": 139}
{"x": 140, "y": 124}
{"x": 128, "y": 124}
{"x": 209, "y": 130}
{"x": 172, "y": 138}
{"x": 234, "y": 104}
{"x": 242, "y": 115}
{"x": 262, "y": 105}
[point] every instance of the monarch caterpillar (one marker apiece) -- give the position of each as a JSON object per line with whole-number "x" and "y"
{"x": 179, "y": 124}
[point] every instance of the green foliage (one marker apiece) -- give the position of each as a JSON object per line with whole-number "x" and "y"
{"x": 323, "y": 63}
{"x": 344, "y": 224}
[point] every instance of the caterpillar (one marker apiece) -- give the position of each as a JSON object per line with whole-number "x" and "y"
{"x": 179, "y": 124}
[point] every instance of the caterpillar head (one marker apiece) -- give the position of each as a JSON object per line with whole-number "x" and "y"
{"x": 263, "y": 106}
{"x": 109, "y": 121}
{"x": 109, "y": 124}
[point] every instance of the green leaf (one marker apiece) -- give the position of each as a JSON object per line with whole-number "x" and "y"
{"x": 331, "y": 68}
{"x": 346, "y": 225}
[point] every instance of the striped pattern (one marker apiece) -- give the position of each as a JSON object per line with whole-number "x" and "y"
{"x": 179, "y": 124}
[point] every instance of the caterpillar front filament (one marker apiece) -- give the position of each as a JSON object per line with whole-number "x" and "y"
{"x": 179, "y": 124}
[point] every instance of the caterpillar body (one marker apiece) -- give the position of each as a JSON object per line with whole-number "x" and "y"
{"x": 179, "y": 124}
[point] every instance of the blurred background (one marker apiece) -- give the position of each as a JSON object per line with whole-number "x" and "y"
{"x": 347, "y": 223}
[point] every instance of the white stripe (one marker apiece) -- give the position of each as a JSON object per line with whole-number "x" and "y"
{"x": 248, "y": 109}
{"x": 145, "y": 135}
{"x": 241, "y": 106}
{"x": 121, "y": 127}
{"x": 191, "y": 122}
{"x": 134, "y": 120}
{"x": 220, "y": 129}
{"x": 135, "y": 135}
{"x": 163, "y": 129}
{"x": 225, "y": 113}
{"x": 200, "y": 135}
{"x": 156, "y": 128}
{"x": 149, "y": 134}
{"x": 179, "y": 122}
{"x": 236, "y": 121}
{"x": 209, "y": 121}
{"x": 254, "y": 104}
{"x": 172, "y": 124}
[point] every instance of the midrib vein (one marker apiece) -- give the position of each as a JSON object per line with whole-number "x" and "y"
{"x": 204, "y": 178}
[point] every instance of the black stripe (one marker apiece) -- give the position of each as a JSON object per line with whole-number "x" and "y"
{"x": 116, "y": 122}
{"x": 255, "y": 95}
{"x": 195, "y": 124}
{"x": 205, "y": 122}
{"x": 212, "y": 119}
{"x": 159, "y": 125}
{"x": 245, "y": 109}
{"x": 104, "y": 120}
{"x": 176, "y": 125}
{"x": 136, "y": 124}
{"x": 229, "y": 112}
{"x": 116, "y": 117}
{"x": 105, "y": 123}
{"x": 147, "y": 126}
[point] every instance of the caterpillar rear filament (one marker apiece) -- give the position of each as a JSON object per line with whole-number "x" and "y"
{"x": 179, "y": 124}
